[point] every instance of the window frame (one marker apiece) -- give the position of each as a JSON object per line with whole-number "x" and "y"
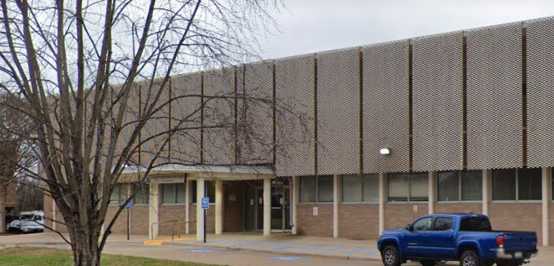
{"x": 175, "y": 187}
{"x": 316, "y": 190}
{"x": 460, "y": 190}
{"x": 362, "y": 179}
{"x": 146, "y": 186}
{"x": 409, "y": 196}
{"x": 516, "y": 181}
{"x": 433, "y": 227}
{"x": 421, "y": 219}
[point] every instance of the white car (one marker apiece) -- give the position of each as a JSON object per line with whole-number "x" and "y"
{"x": 28, "y": 222}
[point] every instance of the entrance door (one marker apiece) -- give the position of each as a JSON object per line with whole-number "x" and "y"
{"x": 280, "y": 204}
{"x": 254, "y": 205}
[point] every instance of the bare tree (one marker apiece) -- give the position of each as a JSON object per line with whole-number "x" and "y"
{"x": 61, "y": 61}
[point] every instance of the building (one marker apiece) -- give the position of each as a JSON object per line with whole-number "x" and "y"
{"x": 461, "y": 121}
{"x": 7, "y": 202}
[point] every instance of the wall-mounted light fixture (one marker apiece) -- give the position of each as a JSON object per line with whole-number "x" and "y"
{"x": 384, "y": 151}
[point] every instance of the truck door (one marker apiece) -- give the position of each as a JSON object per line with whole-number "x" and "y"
{"x": 443, "y": 242}
{"x": 417, "y": 239}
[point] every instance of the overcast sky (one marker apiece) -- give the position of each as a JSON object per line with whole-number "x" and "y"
{"x": 307, "y": 26}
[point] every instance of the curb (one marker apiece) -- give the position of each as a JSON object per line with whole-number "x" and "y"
{"x": 274, "y": 251}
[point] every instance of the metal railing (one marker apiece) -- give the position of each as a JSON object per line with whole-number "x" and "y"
{"x": 174, "y": 227}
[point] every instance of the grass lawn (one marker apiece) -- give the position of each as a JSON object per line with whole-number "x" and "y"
{"x": 53, "y": 257}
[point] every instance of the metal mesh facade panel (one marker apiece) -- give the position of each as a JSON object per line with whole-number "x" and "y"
{"x": 494, "y": 108}
{"x": 186, "y": 102}
{"x": 219, "y": 116}
{"x": 295, "y": 129}
{"x": 386, "y": 107}
{"x": 540, "y": 96}
{"x": 338, "y": 104}
{"x": 438, "y": 103}
{"x": 154, "y": 133}
{"x": 255, "y": 131}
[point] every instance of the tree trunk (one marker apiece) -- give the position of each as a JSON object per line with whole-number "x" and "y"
{"x": 85, "y": 250}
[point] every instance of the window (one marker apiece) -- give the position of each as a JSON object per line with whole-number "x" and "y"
{"x": 356, "y": 188}
{"x": 529, "y": 183}
{"x": 142, "y": 193}
{"x": 325, "y": 188}
{"x": 448, "y": 186}
{"x": 477, "y": 224}
{"x": 472, "y": 185}
{"x": 459, "y": 185}
{"x": 173, "y": 193}
{"x": 423, "y": 224}
{"x": 210, "y": 190}
{"x": 119, "y": 194}
{"x": 408, "y": 187}
{"x": 316, "y": 189}
{"x": 442, "y": 224}
{"x": 517, "y": 184}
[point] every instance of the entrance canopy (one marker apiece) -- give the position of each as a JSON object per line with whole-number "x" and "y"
{"x": 208, "y": 172}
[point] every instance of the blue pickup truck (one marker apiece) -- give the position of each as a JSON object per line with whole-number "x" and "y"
{"x": 464, "y": 237}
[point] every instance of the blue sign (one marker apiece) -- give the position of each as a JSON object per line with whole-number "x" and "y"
{"x": 205, "y": 202}
{"x": 129, "y": 205}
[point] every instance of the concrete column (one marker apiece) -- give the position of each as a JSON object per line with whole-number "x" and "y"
{"x": 294, "y": 204}
{"x": 218, "y": 207}
{"x": 54, "y": 214}
{"x": 336, "y": 197}
{"x": 546, "y": 198}
{"x": 267, "y": 206}
{"x": 487, "y": 191}
{"x": 153, "y": 218}
{"x": 187, "y": 205}
{"x": 432, "y": 192}
{"x": 2, "y": 215}
{"x": 200, "y": 184}
{"x": 381, "y": 203}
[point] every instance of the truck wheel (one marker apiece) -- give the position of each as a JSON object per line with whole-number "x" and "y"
{"x": 427, "y": 262}
{"x": 469, "y": 258}
{"x": 390, "y": 256}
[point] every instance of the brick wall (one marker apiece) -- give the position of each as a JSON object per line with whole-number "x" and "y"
{"x": 458, "y": 207}
{"x": 172, "y": 219}
{"x": 120, "y": 225}
{"x": 320, "y": 225}
{"x": 398, "y": 215}
{"x": 139, "y": 220}
{"x": 517, "y": 216}
{"x": 359, "y": 221}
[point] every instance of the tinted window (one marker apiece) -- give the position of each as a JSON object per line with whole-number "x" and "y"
{"x": 475, "y": 224}
{"x": 442, "y": 224}
{"x": 423, "y": 224}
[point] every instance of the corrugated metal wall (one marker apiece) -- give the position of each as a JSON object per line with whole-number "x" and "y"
{"x": 338, "y": 105}
{"x": 295, "y": 124}
{"x": 255, "y": 117}
{"x": 438, "y": 102}
{"x": 494, "y": 97}
{"x": 540, "y": 95}
{"x": 156, "y": 129}
{"x": 386, "y": 107}
{"x": 186, "y": 93}
{"x": 417, "y": 97}
{"x": 219, "y": 114}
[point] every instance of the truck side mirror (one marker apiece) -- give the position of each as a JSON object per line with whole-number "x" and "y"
{"x": 409, "y": 227}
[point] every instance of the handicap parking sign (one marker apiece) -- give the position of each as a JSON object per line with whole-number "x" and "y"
{"x": 205, "y": 202}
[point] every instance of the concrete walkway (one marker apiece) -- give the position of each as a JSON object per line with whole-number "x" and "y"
{"x": 289, "y": 245}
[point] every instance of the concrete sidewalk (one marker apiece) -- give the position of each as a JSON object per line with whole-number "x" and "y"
{"x": 289, "y": 245}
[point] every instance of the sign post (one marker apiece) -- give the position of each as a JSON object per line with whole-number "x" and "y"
{"x": 205, "y": 206}
{"x": 128, "y": 206}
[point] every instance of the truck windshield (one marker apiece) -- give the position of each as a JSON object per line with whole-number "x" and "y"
{"x": 480, "y": 224}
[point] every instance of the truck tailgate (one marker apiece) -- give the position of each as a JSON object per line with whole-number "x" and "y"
{"x": 520, "y": 241}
